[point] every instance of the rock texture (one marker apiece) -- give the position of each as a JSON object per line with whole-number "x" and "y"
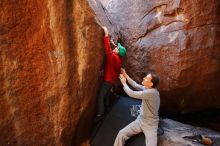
{"x": 103, "y": 18}
{"x": 50, "y": 56}
{"x": 179, "y": 134}
{"x": 177, "y": 39}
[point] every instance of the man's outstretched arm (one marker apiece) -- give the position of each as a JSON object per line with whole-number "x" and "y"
{"x": 105, "y": 30}
{"x": 131, "y": 93}
{"x": 132, "y": 82}
{"x": 107, "y": 47}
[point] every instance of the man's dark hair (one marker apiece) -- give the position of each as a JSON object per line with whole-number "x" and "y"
{"x": 155, "y": 80}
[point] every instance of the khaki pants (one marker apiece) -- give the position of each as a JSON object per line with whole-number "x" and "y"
{"x": 134, "y": 128}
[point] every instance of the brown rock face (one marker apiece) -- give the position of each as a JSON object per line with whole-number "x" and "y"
{"x": 177, "y": 39}
{"x": 50, "y": 55}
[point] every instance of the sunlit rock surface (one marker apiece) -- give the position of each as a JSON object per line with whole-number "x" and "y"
{"x": 50, "y": 56}
{"x": 177, "y": 39}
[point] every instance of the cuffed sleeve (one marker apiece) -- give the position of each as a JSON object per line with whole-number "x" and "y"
{"x": 134, "y": 94}
{"x": 146, "y": 94}
{"x": 134, "y": 84}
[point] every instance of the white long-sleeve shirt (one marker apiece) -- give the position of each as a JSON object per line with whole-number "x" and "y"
{"x": 150, "y": 101}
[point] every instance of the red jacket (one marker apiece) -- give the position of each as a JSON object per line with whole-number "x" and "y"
{"x": 113, "y": 63}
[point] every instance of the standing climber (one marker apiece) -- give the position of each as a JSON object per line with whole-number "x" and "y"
{"x": 112, "y": 70}
{"x": 147, "y": 121}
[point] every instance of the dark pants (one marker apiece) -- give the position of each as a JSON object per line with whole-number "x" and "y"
{"x": 103, "y": 96}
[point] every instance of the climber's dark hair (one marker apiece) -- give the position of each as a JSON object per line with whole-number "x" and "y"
{"x": 155, "y": 80}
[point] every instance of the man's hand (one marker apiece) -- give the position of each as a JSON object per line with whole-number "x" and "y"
{"x": 105, "y": 30}
{"x": 122, "y": 79}
{"x": 113, "y": 43}
{"x": 123, "y": 72}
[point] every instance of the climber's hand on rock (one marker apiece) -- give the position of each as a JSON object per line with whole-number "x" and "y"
{"x": 105, "y": 30}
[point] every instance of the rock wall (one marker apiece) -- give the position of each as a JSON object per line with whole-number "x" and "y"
{"x": 50, "y": 56}
{"x": 177, "y": 39}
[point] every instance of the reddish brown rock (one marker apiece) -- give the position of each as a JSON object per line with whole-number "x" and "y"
{"x": 177, "y": 39}
{"x": 50, "y": 56}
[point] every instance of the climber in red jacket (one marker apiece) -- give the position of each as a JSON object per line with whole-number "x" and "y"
{"x": 112, "y": 71}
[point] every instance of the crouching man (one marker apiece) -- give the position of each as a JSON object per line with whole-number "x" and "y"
{"x": 147, "y": 121}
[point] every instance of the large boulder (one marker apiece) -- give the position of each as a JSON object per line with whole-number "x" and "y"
{"x": 177, "y": 39}
{"x": 179, "y": 134}
{"x": 50, "y": 56}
